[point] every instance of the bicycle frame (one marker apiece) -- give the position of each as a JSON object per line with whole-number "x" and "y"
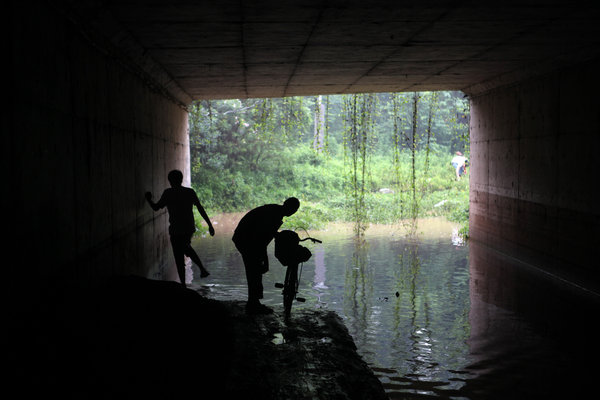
{"x": 291, "y": 282}
{"x": 290, "y": 288}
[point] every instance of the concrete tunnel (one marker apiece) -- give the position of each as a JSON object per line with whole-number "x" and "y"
{"x": 97, "y": 114}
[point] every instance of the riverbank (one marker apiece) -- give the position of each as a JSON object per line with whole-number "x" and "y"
{"x": 138, "y": 338}
{"x": 225, "y": 224}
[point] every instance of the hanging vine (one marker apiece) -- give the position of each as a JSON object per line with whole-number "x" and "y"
{"x": 264, "y": 125}
{"x": 412, "y": 142}
{"x": 406, "y": 137}
{"x": 409, "y": 136}
{"x": 359, "y": 119}
{"x": 398, "y": 104}
{"x": 291, "y": 118}
{"x": 433, "y": 106}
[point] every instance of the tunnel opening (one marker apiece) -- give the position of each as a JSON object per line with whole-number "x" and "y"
{"x": 366, "y": 158}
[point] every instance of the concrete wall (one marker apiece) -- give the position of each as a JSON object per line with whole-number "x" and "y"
{"x": 534, "y": 148}
{"x": 86, "y": 137}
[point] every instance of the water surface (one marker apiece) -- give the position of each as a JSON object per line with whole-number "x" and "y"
{"x": 424, "y": 310}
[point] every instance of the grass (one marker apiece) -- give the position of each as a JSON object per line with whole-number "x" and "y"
{"x": 320, "y": 183}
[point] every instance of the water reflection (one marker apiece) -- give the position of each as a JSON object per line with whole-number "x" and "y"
{"x": 531, "y": 334}
{"x": 358, "y": 291}
{"x": 431, "y": 316}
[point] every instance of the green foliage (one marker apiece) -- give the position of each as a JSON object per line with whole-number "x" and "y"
{"x": 257, "y": 151}
{"x": 312, "y": 216}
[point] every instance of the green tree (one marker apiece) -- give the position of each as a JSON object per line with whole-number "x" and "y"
{"x": 249, "y": 152}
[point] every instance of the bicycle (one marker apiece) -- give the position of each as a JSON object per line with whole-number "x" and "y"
{"x": 290, "y": 253}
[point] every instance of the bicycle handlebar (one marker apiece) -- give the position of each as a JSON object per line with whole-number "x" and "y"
{"x": 311, "y": 239}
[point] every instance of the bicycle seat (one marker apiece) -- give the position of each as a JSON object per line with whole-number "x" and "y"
{"x": 288, "y": 250}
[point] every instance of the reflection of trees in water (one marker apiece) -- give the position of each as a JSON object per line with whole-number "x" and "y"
{"x": 430, "y": 320}
{"x": 358, "y": 286}
{"x": 417, "y": 312}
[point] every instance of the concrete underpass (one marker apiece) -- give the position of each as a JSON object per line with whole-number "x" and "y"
{"x": 97, "y": 96}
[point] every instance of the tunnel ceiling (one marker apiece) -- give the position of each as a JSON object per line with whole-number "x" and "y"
{"x": 239, "y": 49}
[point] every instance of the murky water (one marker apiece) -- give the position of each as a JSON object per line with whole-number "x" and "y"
{"x": 425, "y": 311}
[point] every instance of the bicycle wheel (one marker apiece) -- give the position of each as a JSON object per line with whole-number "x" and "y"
{"x": 289, "y": 288}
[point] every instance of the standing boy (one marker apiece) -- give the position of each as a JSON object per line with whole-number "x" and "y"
{"x": 180, "y": 201}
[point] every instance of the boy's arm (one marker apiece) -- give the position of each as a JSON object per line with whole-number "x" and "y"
{"x": 204, "y": 215}
{"x": 155, "y": 206}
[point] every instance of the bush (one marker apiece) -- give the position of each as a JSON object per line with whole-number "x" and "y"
{"x": 319, "y": 181}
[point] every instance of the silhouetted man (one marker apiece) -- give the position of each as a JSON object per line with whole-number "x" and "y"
{"x": 251, "y": 237}
{"x": 180, "y": 201}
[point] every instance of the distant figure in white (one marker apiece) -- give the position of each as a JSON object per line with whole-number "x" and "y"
{"x": 459, "y": 162}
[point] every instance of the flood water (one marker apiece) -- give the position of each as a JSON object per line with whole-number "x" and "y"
{"x": 433, "y": 317}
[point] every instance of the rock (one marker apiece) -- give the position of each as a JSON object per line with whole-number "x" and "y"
{"x": 441, "y": 203}
{"x": 311, "y": 357}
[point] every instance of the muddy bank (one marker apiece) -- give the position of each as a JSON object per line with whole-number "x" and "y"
{"x": 430, "y": 227}
{"x": 138, "y": 338}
